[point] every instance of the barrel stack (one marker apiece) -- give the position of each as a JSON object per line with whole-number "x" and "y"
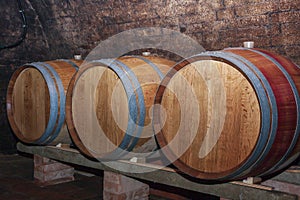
{"x": 216, "y": 116}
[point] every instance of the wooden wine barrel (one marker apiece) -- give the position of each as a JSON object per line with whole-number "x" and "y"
{"x": 109, "y": 104}
{"x": 230, "y": 114}
{"x": 294, "y": 151}
{"x": 36, "y": 101}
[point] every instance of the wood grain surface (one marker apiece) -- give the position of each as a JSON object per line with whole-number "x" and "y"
{"x": 214, "y": 127}
{"x": 31, "y": 103}
{"x": 210, "y": 123}
{"x": 28, "y": 100}
{"x": 98, "y": 107}
{"x": 286, "y": 103}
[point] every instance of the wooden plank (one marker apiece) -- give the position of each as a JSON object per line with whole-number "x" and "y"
{"x": 283, "y": 186}
{"x": 252, "y": 185}
{"x": 167, "y": 177}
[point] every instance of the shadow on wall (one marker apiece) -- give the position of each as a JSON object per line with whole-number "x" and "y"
{"x": 43, "y": 42}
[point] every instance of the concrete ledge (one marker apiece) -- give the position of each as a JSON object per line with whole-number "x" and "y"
{"x": 165, "y": 176}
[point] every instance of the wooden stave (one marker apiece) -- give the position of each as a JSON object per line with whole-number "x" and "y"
{"x": 288, "y": 69}
{"x": 263, "y": 150}
{"x": 61, "y": 74}
{"x": 52, "y": 116}
{"x": 258, "y": 167}
{"x": 56, "y": 123}
{"x": 130, "y": 141}
{"x": 136, "y": 109}
{"x": 291, "y": 68}
{"x": 238, "y": 173}
{"x": 62, "y": 87}
{"x": 280, "y": 155}
{"x": 69, "y": 117}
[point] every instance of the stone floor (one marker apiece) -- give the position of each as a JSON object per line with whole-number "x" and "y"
{"x": 17, "y": 183}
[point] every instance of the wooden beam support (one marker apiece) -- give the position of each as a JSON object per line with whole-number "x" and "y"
{"x": 165, "y": 176}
